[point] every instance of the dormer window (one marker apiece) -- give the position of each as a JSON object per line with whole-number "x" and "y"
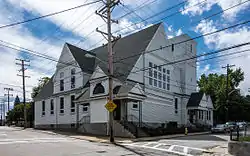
{"x": 99, "y": 89}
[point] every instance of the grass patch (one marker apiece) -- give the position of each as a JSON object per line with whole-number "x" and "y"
{"x": 245, "y": 139}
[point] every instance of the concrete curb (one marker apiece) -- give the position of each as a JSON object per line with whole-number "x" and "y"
{"x": 168, "y": 137}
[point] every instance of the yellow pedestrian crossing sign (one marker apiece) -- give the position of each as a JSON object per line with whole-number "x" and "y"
{"x": 110, "y": 106}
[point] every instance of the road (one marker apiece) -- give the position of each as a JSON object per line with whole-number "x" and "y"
{"x": 17, "y": 142}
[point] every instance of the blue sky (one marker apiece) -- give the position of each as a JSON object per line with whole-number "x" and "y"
{"x": 48, "y": 35}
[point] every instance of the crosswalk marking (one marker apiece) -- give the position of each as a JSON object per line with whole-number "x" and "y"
{"x": 168, "y": 148}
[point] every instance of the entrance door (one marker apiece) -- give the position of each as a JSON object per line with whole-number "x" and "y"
{"x": 117, "y": 111}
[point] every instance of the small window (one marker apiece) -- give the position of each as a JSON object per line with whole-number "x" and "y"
{"x": 61, "y": 105}
{"x": 168, "y": 86}
{"x": 159, "y": 76}
{"x": 159, "y": 68}
{"x": 164, "y": 85}
{"x": 164, "y": 70}
{"x": 99, "y": 89}
{"x": 85, "y": 108}
{"x": 61, "y": 74}
{"x": 43, "y": 108}
{"x": 164, "y": 77}
{"x": 176, "y": 105}
{"x": 51, "y": 106}
{"x": 73, "y": 71}
{"x": 72, "y": 105}
{"x": 150, "y": 72}
{"x": 155, "y": 82}
{"x": 191, "y": 48}
{"x": 61, "y": 85}
{"x": 150, "y": 81}
{"x": 135, "y": 106}
{"x": 209, "y": 115}
{"x": 73, "y": 81}
{"x": 150, "y": 64}
{"x": 172, "y": 47}
{"x": 155, "y": 74}
{"x": 168, "y": 79}
{"x": 160, "y": 84}
{"x": 168, "y": 71}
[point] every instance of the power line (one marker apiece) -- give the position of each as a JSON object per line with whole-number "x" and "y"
{"x": 46, "y": 57}
{"x": 194, "y": 57}
{"x": 48, "y": 15}
{"x": 157, "y": 14}
{"x": 203, "y": 35}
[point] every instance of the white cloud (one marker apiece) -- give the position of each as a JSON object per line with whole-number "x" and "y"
{"x": 192, "y": 9}
{"x": 80, "y": 22}
{"x": 179, "y": 32}
{"x": 228, "y": 38}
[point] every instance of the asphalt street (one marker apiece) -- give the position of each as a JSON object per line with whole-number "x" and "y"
{"x": 17, "y": 142}
{"x": 187, "y": 146}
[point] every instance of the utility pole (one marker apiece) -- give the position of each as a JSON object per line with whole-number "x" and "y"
{"x": 8, "y": 96}
{"x": 22, "y": 64}
{"x": 227, "y": 89}
{"x": 105, "y": 14}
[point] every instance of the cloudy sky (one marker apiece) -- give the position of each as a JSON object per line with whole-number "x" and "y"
{"x": 48, "y": 35}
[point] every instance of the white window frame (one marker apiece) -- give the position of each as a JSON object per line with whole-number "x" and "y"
{"x": 72, "y": 108}
{"x": 135, "y": 104}
{"x": 160, "y": 77}
{"x": 61, "y": 109}
{"x": 52, "y": 111}
{"x": 43, "y": 106}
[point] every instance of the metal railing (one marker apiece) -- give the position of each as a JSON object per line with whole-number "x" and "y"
{"x": 84, "y": 119}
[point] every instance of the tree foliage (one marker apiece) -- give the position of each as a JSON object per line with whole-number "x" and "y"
{"x": 215, "y": 86}
{"x": 17, "y": 113}
{"x": 41, "y": 83}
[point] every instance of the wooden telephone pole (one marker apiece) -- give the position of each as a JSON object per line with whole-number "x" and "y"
{"x": 8, "y": 96}
{"x": 22, "y": 64}
{"x": 105, "y": 14}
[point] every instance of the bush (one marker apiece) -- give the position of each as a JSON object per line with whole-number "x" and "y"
{"x": 245, "y": 139}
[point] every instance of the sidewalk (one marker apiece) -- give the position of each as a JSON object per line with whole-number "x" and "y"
{"x": 105, "y": 139}
{"x": 218, "y": 151}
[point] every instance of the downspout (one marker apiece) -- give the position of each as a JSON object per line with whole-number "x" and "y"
{"x": 56, "y": 114}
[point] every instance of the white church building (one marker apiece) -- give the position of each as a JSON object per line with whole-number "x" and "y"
{"x": 164, "y": 92}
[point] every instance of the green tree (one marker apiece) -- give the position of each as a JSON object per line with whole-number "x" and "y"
{"x": 215, "y": 86}
{"x": 41, "y": 83}
{"x": 17, "y": 113}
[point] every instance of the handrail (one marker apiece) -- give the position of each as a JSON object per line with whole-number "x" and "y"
{"x": 85, "y": 119}
{"x": 135, "y": 120}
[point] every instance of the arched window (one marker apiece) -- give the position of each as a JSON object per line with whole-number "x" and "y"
{"x": 116, "y": 89}
{"x": 98, "y": 89}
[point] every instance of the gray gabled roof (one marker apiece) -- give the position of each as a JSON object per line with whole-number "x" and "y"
{"x": 195, "y": 99}
{"x": 87, "y": 64}
{"x": 46, "y": 91}
{"x": 131, "y": 46}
